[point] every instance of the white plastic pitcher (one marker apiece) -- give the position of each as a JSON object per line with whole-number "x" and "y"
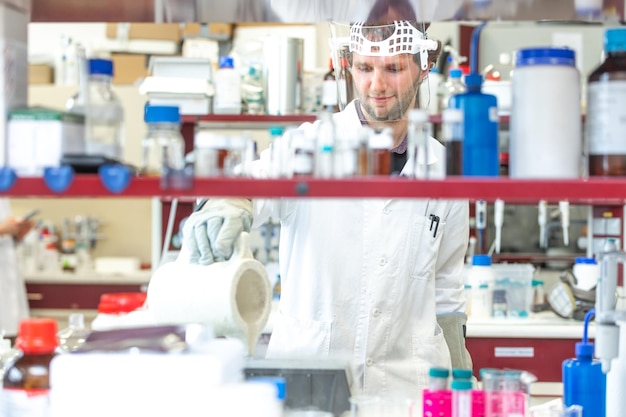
{"x": 233, "y": 296}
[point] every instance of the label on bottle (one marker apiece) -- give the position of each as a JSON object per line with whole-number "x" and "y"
{"x": 606, "y": 117}
{"x": 329, "y": 93}
{"x": 26, "y": 403}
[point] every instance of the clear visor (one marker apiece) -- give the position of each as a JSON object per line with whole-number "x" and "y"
{"x": 381, "y": 65}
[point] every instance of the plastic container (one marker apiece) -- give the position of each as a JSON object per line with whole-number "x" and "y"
{"x": 545, "y": 132}
{"x": 461, "y": 398}
{"x": 73, "y": 337}
{"x": 480, "y": 125}
{"x": 325, "y": 146}
{"x": 586, "y": 271}
{"x": 438, "y": 379}
{"x": 584, "y": 383}
{"x": 122, "y": 310}
{"x": 606, "y": 109}
{"x": 514, "y": 281}
{"x": 104, "y": 114}
{"x": 481, "y": 278}
{"x": 227, "y": 88}
{"x": 26, "y": 382}
{"x": 211, "y": 152}
{"x": 417, "y": 144}
{"x": 163, "y": 148}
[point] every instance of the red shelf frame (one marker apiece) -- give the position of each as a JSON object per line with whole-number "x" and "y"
{"x": 608, "y": 191}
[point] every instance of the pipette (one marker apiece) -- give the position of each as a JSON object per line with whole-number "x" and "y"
{"x": 498, "y": 220}
{"x": 542, "y": 219}
{"x": 564, "y": 209}
{"x": 481, "y": 224}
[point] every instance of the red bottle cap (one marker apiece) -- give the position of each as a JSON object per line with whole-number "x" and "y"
{"x": 37, "y": 335}
{"x": 121, "y": 302}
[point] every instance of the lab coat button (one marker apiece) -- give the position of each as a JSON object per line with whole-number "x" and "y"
{"x": 369, "y": 361}
{"x": 376, "y": 312}
{"x": 383, "y": 261}
{"x": 386, "y": 211}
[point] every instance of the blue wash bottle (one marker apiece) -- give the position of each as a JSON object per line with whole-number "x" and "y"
{"x": 584, "y": 383}
{"x": 480, "y": 125}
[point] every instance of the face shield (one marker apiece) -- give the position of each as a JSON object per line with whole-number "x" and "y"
{"x": 381, "y": 66}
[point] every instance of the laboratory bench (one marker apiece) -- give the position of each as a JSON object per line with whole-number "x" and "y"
{"x": 57, "y": 295}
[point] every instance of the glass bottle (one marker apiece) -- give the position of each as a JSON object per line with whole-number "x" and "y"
{"x": 103, "y": 111}
{"x": 26, "y": 382}
{"x": 452, "y": 135}
{"x": 329, "y": 90}
{"x": 345, "y": 82}
{"x": 163, "y": 148}
{"x": 73, "y": 337}
{"x": 606, "y": 117}
{"x": 379, "y": 155}
{"x": 453, "y": 85}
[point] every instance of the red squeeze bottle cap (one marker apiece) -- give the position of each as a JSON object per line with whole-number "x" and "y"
{"x": 121, "y": 302}
{"x": 37, "y": 335}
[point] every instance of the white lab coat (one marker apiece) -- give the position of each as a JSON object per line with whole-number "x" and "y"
{"x": 363, "y": 280}
{"x": 13, "y": 300}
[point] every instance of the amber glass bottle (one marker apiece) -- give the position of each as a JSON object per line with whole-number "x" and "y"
{"x": 26, "y": 382}
{"x": 606, "y": 109}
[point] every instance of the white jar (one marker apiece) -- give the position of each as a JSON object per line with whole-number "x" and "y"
{"x": 546, "y": 131}
{"x": 481, "y": 279}
{"x": 586, "y": 271}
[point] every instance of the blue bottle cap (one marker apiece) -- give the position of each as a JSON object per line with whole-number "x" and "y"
{"x": 456, "y": 73}
{"x": 545, "y": 56}
{"x": 481, "y": 260}
{"x": 439, "y": 372}
{"x": 473, "y": 81}
{"x": 583, "y": 260}
{"x": 166, "y": 114}
{"x": 101, "y": 66}
{"x": 226, "y": 62}
{"x": 276, "y": 130}
{"x": 615, "y": 39}
{"x": 584, "y": 350}
{"x": 461, "y": 385}
{"x": 458, "y": 373}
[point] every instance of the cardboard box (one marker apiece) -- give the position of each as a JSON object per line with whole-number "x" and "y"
{"x": 153, "y": 31}
{"x": 40, "y": 74}
{"x": 215, "y": 29}
{"x": 128, "y": 68}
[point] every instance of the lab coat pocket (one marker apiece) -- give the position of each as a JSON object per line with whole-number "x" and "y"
{"x": 428, "y": 352}
{"x": 313, "y": 337}
{"x": 427, "y": 234}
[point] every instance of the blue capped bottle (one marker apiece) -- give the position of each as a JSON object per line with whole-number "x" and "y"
{"x": 584, "y": 383}
{"x": 480, "y": 123}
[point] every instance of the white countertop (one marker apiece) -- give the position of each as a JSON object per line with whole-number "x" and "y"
{"x": 544, "y": 325}
{"x": 140, "y": 277}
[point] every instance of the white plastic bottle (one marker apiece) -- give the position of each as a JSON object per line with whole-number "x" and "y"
{"x": 481, "y": 278}
{"x": 227, "y": 98}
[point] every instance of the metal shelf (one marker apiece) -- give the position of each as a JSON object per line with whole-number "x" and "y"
{"x": 609, "y": 191}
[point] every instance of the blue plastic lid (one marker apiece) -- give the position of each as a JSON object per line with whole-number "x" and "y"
{"x": 584, "y": 350}
{"x": 456, "y": 73}
{"x": 583, "y": 260}
{"x": 167, "y": 114}
{"x": 473, "y": 81}
{"x": 615, "y": 39}
{"x": 459, "y": 373}
{"x": 481, "y": 260}
{"x": 101, "y": 66}
{"x": 461, "y": 385}
{"x": 439, "y": 372}
{"x": 276, "y": 130}
{"x": 545, "y": 56}
{"x": 226, "y": 62}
